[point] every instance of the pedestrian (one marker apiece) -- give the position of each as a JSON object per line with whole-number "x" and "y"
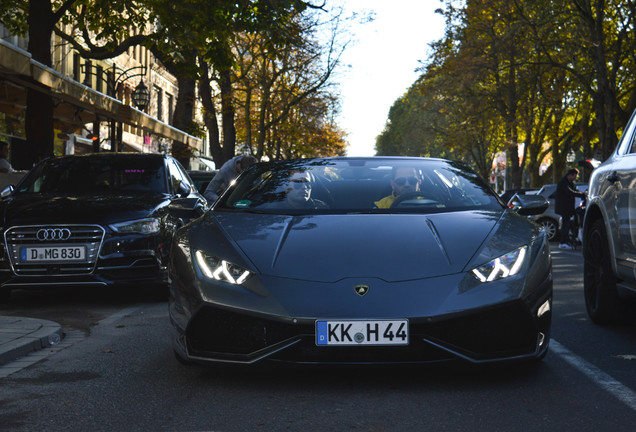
{"x": 564, "y": 203}
{"x": 228, "y": 172}
{"x": 5, "y": 166}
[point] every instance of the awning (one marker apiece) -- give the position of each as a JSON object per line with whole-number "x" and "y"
{"x": 78, "y": 104}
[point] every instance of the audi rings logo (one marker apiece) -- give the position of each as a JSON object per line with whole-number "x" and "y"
{"x": 48, "y": 234}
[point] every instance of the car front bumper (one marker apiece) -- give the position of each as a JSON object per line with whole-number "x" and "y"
{"x": 506, "y": 332}
{"x": 111, "y": 260}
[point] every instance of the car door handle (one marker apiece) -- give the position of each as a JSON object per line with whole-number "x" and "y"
{"x": 613, "y": 177}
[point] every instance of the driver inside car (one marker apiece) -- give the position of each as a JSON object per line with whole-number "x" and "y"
{"x": 405, "y": 180}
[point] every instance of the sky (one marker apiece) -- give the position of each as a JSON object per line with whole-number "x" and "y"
{"x": 380, "y": 65}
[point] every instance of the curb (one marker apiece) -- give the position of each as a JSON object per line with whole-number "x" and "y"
{"x": 21, "y": 336}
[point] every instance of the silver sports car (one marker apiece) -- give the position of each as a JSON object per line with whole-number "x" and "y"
{"x": 361, "y": 260}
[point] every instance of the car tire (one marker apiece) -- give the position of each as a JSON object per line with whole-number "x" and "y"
{"x": 602, "y": 302}
{"x": 551, "y": 228}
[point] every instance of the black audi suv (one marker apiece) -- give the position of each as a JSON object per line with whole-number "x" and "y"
{"x": 93, "y": 220}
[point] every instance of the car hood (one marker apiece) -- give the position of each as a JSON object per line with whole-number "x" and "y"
{"x": 332, "y": 247}
{"x": 97, "y": 209}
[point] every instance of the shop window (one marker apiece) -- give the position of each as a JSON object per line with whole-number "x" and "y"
{"x": 170, "y": 103}
{"x": 76, "y": 66}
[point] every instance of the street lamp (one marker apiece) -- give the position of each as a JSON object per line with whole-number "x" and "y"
{"x": 141, "y": 96}
{"x": 114, "y": 79}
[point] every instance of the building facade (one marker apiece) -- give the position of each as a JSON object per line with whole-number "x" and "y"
{"x": 93, "y": 100}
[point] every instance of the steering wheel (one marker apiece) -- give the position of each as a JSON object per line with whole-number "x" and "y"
{"x": 408, "y": 196}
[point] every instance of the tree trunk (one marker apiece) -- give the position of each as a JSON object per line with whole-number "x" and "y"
{"x": 605, "y": 100}
{"x": 513, "y": 167}
{"x": 607, "y": 135}
{"x": 604, "y": 103}
{"x": 227, "y": 114}
{"x": 248, "y": 117}
{"x": 39, "y": 111}
{"x": 513, "y": 164}
{"x": 183, "y": 117}
{"x": 262, "y": 116}
{"x": 209, "y": 117}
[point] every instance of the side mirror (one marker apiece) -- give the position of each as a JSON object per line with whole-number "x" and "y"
{"x": 183, "y": 190}
{"x": 185, "y": 208}
{"x": 7, "y": 192}
{"x": 528, "y": 205}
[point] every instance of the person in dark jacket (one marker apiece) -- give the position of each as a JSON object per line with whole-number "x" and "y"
{"x": 566, "y": 192}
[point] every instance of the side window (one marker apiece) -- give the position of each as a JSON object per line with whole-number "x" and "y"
{"x": 185, "y": 178}
{"x": 175, "y": 176}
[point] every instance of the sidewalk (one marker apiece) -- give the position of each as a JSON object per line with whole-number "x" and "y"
{"x": 21, "y": 336}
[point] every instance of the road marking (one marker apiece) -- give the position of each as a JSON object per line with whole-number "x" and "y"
{"x": 606, "y": 382}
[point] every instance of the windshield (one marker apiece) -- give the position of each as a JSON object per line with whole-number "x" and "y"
{"x": 96, "y": 175}
{"x": 359, "y": 185}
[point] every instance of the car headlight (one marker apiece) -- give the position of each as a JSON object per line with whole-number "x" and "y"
{"x": 501, "y": 267}
{"x": 220, "y": 269}
{"x": 140, "y": 226}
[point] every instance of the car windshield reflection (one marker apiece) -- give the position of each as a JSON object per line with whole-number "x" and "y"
{"x": 83, "y": 176}
{"x": 359, "y": 185}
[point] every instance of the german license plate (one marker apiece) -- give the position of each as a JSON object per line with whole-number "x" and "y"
{"x": 375, "y": 332}
{"x": 53, "y": 253}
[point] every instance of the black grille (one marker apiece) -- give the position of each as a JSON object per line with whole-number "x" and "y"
{"x": 504, "y": 331}
{"x": 16, "y": 238}
{"x": 219, "y": 331}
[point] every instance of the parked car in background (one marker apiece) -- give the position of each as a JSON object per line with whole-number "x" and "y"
{"x": 296, "y": 263}
{"x": 609, "y": 236}
{"x": 549, "y": 219}
{"x": 508, "y": 194}
{"x": 202, "y": 178}
{"x": 93, "y": 220}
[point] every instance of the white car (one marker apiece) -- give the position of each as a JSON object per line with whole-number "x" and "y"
{"x": 609, "y": 237}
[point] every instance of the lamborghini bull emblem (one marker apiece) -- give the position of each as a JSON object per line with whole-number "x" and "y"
{"x": 361, "y": 290}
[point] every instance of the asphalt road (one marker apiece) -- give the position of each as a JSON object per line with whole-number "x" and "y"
{"x": 121, "y": 375}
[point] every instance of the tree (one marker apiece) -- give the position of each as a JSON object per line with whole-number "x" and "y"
{"x": 194, "y": 42}
{"x": 39, "y": 19}
{"x": 275, "y": 86}
{"x": 306, "y": 132}
{"x": 496, "y": 73}
{"x": 594, "y": 42}
{"x": 186, "y": 33}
